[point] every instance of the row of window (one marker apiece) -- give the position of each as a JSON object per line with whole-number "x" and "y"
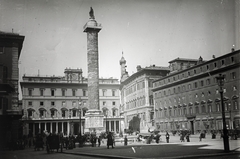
{"x": 68, "y": 77}
{"x": 136, "y": 103}
{"x": 104, "y": 103}
{"x": 74, "y": 103}
{"x": 218, "y": 125}
{"x": 135, "y": 87}
{"x": 198, "y": 109}
{"x": 104, "y": 92}
{"x": 232, "y": 75}
{"x": 179, "y": 90}
{"x": 67, "y": 113}
{"x": 53, "y": 92}
{"x": 183, "y": 99}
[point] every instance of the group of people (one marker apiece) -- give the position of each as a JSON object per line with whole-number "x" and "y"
{"x": 94, "y": 139}
{"x": 167, "y": 137}
{"x": 183, "y": 136}
{"x": 39, "y": 141}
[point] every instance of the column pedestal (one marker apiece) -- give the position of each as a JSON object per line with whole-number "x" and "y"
{"x": 94, "y": 121}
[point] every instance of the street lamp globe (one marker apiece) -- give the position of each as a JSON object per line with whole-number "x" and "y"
{"x": 220, "y": 80}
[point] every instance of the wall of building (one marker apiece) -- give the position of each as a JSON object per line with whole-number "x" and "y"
{"x": 190, "y": 99}
{"x": 136, "y": 98}
{"x": 68, "y": 103}
{"x": 10, "y": 110}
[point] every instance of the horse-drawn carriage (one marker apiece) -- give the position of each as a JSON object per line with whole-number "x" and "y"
{"x": 54, "y": 142}
{"x": 38, "y": 142}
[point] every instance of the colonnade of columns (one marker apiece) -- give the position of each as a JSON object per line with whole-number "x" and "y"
{"x": 66, "y": 127}
{"x": 113, "y": 126}
{"x": 35, "y": 128}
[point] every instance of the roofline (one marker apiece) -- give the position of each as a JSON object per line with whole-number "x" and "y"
{"x": 144, "y": 70}
{"x": 7, "y": 36}
{"x": 204, "y": 63}
{"x": 183, "y": 59}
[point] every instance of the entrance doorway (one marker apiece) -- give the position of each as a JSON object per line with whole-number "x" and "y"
{"x": 76, "y": 129}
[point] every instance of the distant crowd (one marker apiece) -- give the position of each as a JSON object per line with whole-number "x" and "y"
{"x": 58, "y": 141}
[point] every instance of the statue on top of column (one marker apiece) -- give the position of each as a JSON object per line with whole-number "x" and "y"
{"x": 91, "y": 13}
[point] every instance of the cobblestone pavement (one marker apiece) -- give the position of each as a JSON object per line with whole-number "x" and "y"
{"x": 207, "y": 148}
{"x": 174, "y": 149}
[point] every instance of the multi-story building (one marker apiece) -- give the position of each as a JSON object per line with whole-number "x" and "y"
{"x": 188, "y": 98}
{"x": 136, "y": 96}
{"x": 54, "y": 103}
{"x": 10, "y": 111}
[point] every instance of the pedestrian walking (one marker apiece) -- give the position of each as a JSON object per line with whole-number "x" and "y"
{"x": 167, "y": 137}
{"x": 91, "y": 140}
{"x": 221, "y": 136}
{"x": 182, "y": 137}
{"x": 157, "y": 138}
{"x": 113, "y": 139}
{"x": 99, "y": 141}
{"x": 109, "y": 140}
{"x": 94, "y": 140}
{"x": 200, "y": 137}
{"x": 188, "y": 137}
{"x": 125, "y": 141}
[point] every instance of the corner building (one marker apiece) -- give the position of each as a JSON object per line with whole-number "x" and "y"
{"x": 189, "y": 99}
{"x": 10, "y": 110}
{"x": 136, "y": 96}
{"x": 52, "y": 103}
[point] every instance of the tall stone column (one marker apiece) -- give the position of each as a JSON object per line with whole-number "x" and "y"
{"x": 94, "y": 116}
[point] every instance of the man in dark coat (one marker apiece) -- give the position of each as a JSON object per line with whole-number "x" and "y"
{"x": 109, "y": 140}
{"x": 188, "y": 137}
{"x": 167, "y": 137}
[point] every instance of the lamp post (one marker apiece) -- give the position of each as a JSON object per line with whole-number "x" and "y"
{"x": 70, "y": 121}
{"x": 106, "y": 113}
{"x": 230, "y": 114}
{"x": 220, "y": 81}
{"x": 80, "y": 121}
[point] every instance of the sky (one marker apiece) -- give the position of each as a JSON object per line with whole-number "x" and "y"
{"x": 145, "y": 32}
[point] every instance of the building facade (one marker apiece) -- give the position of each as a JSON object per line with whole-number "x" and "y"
{"x": 189, "y": 99}
{"x": 137, "y": 98}
{"x": 54, "y": 104}
{"x": 10, "y": 111}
